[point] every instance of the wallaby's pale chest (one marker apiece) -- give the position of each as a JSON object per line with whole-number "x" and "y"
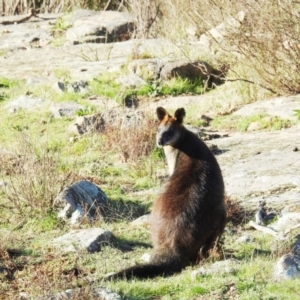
{"x": 171, "y": 155}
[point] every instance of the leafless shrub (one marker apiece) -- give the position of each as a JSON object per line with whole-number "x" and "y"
{"x": 131, "y": 139}
{"x": 262, "y": 47}
{"x": 33, "y": 179}
{"x": 147, "y": 13}
{"x": 236, "y": 214}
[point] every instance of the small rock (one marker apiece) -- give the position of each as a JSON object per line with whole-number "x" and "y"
{"x": 254, "y": 126}
{"x": 90, "y": 239}
{"x": 131, "y": 80}
{"x": 87, "y": 124}
{"x": 65, "y": 109}
{"x": 146, "y": 257}
{"x": 245, "y": 239}
{"x": 78, "y": 86}
{"x": 105, "y": 294}
{"x": 219, "y": 267}
{"x": 141, "y": 221}
{"x": 79, "y": 199}
{"x": 148, "y": 69}
{"x": 23, "y": 296}
{"x": 192, "y": 71}
{"x": 96, "y": 293}
{"x": 112, "y": 25}
{"x": 3, "y": 183}
{"x": 288, "y": 267}
{"x": 24, "y": 102}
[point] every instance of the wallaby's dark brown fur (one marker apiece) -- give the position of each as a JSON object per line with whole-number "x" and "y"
{"x": 189, "y": 215}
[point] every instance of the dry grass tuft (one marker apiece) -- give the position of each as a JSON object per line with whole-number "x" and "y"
{"x": 236, "y": 214}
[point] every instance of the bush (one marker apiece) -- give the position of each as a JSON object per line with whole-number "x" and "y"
{"x": 33, "y": 178}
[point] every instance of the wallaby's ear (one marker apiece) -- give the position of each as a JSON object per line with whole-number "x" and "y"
{"x": 161, "y": 113}
{"x": 179, "y": 115}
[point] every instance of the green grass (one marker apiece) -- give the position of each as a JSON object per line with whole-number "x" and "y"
{"x": 297, "y": 113}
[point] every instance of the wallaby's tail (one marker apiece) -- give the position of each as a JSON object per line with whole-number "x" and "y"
{"x": 163, "y": 266}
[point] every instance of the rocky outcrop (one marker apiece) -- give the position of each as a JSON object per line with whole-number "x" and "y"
{"x": 101, "y": 27}
{"x": 262, "y": 166}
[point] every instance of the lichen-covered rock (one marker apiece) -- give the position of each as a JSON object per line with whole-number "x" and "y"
{"x": 79, "y": 199}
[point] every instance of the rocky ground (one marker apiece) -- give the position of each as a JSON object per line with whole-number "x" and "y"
{"x": 257, "y": 165}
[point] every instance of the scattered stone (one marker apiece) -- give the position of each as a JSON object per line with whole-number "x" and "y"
{"x": 105, "y": 294}
{"x": 87, "y": 124}
{"x": 103, "y": 103}
{"x": 79, "y": 199}
{"x": 215, "y": 149}
{"x": 100, "y": 293}
{"x": 3, "y": 184}
{"x": 34, "y": 81}
{"x": 90, "y": 239}
{"x": 105, "y": 26}
{"x": 78, "y": 86}
{"x": 148, "y": 69}
{"x": 288, "y": 267}
{"x": 141, "y": 221}
{"x": 65, "y": 109}
{"x": 25, "y": 102}
{"x": 23, "y": 296}
{"x": 206, "y": 120}
{"x": 245, "y": 239}
{"x": 220, "y": 267}
{"x": 131, "y": 81}
{"x": 146, "y": 257}
{"x": 254, "y": 126}
{"x": 132, "y": 119}
{"x": 192, "y": 71}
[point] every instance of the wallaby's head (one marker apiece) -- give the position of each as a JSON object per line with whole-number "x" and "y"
{"x": 169, "y": 127}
